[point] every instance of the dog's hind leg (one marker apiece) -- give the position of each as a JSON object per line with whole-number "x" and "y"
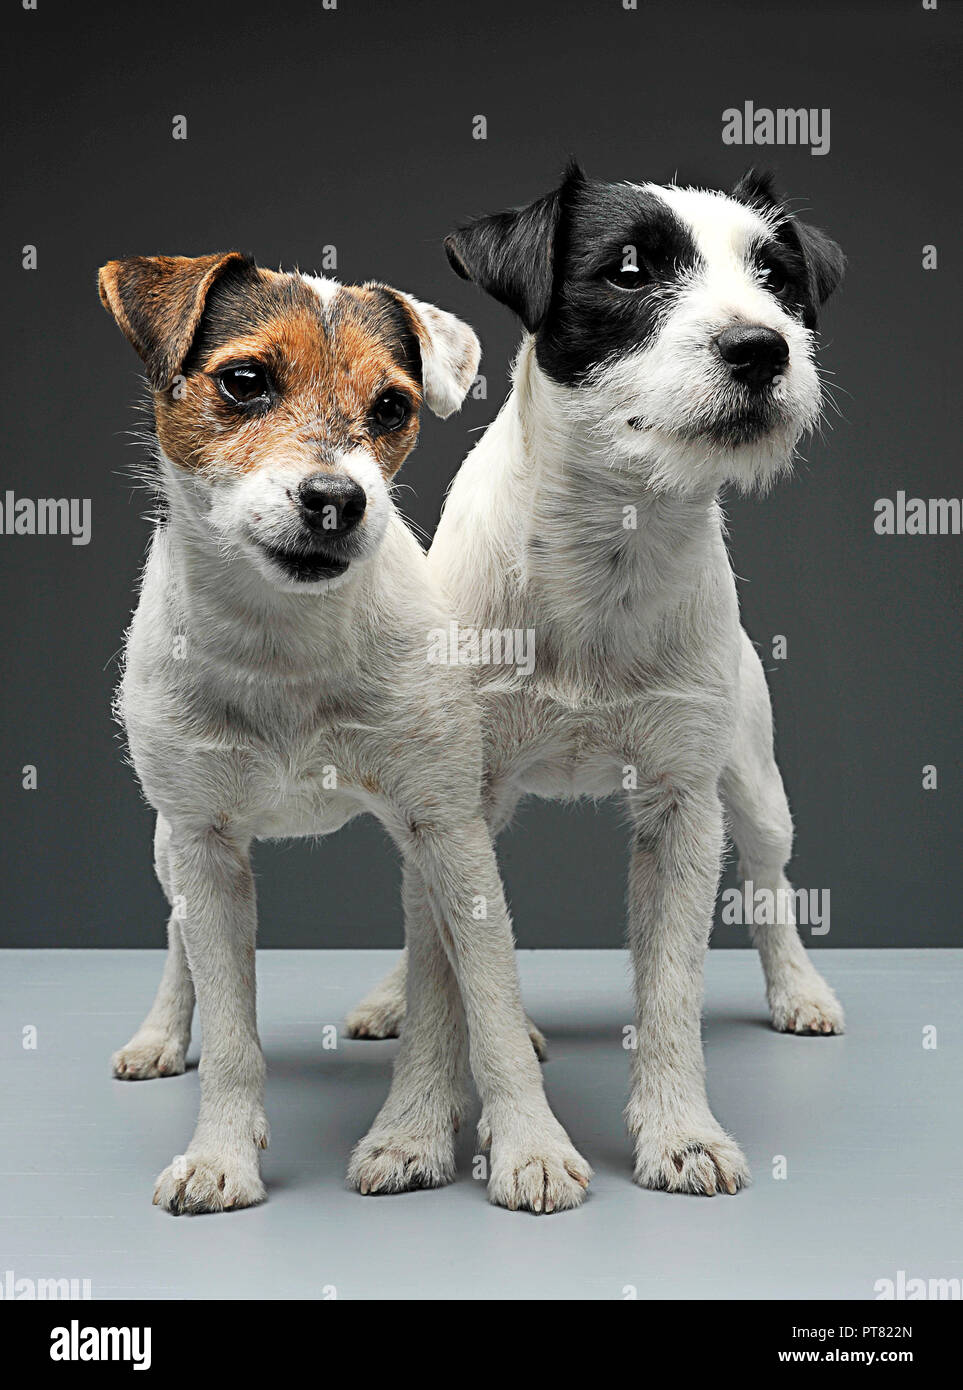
{"x": 411, "y": 1143}
{"x": 159, "y": 1046}
{"x": 381, "y": 1012}
{"x": 800, "y": 1000}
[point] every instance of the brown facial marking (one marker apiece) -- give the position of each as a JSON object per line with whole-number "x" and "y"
{"x": 327, "y": 365}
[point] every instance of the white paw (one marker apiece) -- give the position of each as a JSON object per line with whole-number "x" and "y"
{"x": 533, "y": 1169}
{"x": 202, "y": 1181}
{"x": 394, "y": 1161}
{"x": 148, "y": 1054}
{"x": 377, "y": 1016}
{"x": 696, "y": 1158}
{"x": 806, "y": 1006}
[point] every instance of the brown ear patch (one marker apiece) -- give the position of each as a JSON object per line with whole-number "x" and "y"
{"x": 158, "y": 302}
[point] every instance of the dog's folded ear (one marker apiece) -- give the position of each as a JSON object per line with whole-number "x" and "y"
{"x": 158, "y": 302}
{"x": 511, "y": 255}
{"x": 825, "y": 261}
{"x": 450, "y": 353}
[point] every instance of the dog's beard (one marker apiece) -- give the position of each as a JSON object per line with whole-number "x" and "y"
{"x": 304, "y": 564}
{"x": 255, "y": 518}
{"x": 292, "y": 558}
{"x": 687, "y": 436}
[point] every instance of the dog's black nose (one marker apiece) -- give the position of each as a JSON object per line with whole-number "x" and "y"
{"x": 331, "y": 505}
{"x": 755, "y": 356}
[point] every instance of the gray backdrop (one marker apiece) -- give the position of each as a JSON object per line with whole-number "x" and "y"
{"x": 352, "y": 127}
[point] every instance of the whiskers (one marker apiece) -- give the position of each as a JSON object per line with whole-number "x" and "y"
{"x": 830, "y": 390}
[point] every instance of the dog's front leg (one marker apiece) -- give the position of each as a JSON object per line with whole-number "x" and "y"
{"x": 533, "y": 1163}
{"x": 411, "y": 1143}
{"x": 676, "y": 855}
{"x": 211, "y": 874}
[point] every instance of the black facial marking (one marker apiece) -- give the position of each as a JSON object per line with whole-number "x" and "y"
{"x": 591, "y": 268}
{"x": 588, "y": 268}
{"x": 243, "y": 302}
{"x": 620, "y": 255}
{"x": 783, "y": 271}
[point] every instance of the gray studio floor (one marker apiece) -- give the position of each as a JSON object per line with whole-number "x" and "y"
{"x": 869, "y": 1126}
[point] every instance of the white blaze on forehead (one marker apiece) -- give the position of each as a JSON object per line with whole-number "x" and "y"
{"x": 325, "y": 289}
{"x": 720, "y": 226}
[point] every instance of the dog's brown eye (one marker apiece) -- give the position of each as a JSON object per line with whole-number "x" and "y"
{"x": 626, "y": 277}
{"x": 391, "y": 410}
{"x": 244, "y": 384}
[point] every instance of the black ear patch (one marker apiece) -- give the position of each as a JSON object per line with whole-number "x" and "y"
{"x": 756, "y": 189}
{"x": 510, "y": 254}
{"x": 824, "y": 260}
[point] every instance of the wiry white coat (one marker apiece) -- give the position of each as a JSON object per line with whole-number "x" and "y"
{"x": 643, "y": 676}
{"x": 240, "y": 696}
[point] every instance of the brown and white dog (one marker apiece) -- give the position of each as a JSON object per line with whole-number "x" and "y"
{"x": 277, "y": 684}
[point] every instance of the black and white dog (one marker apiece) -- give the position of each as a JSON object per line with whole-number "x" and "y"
{"x": 669, "y": 351}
